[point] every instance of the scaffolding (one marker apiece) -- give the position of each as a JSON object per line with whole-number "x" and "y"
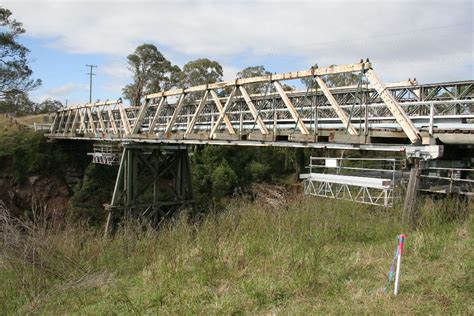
{"x": 362, "y": 180}
{"x": 106, "y": 154}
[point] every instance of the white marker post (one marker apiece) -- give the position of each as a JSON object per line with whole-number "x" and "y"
{"x": 401, "y": 241}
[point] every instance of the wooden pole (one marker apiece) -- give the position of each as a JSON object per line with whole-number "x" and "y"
{"x": 409, "y": 205}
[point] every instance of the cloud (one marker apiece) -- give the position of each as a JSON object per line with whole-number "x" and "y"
{"x": 65, "y": 89}
{"x": 60, "y": 92}
{"x": 117, "y": 70}
{"x": 404, "y": 38}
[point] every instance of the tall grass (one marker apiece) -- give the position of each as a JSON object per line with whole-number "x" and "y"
{"x": 310, "y": 256}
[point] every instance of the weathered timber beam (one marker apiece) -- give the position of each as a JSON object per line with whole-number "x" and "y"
{"x": 283, "y": 76}
{"x": 223, "y": 115}
{"x": 339, "y": 111}
{"x": 254, "y": 111}
{"x": 291, "y": 108}
{"x": 402, "y": 118}
{"x": 221, "y": 109}
{"x": 199, "y": 108}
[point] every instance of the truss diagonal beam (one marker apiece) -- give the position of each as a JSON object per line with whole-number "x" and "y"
{"x": 140, "y": 117}
{"x": 169, "y": 127}
{"x": 124, "y": 118}
{"x": 157, "y": 115}
{"x": 112, "y": 120}
{"x": 222, "y": 110}
{"x": 339, "y": 111}
{"x": 402, "y": 118}
{"x": 199, "y": 108}
{"x": 291, "y": 108}
{"x": 253, "y": 110}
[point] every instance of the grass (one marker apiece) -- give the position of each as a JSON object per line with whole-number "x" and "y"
{"x": 311, "y": 256}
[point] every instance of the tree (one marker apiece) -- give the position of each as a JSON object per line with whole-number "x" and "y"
{"x": 255, "y": 71}
{"x": 48, "y": 106}
{"x": 152, "y": 72}
{"x": 15, "y": 74}
{"x": 201, "y": 71}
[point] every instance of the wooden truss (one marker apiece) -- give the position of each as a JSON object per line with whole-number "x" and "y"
{"x": 226, "y": 110}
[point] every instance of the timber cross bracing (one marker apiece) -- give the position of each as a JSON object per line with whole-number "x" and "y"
{"x": 225, "y": 112}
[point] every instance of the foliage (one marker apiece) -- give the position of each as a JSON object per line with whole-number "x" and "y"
{"x": 152, "y": 72}
{"x": 259, "y": 171}
{"x": 90, "y": 194}
{"x": 224, "y": 180}
{"x": 15, "y": 74}
{"x": 256, "y": 71}
{"x": 21, "y": 105}
{"x": 311, "y": 255}
{"x": 201, "y": 71}
{"x": 219, "y": 170}
{"x": 32, "y": 154}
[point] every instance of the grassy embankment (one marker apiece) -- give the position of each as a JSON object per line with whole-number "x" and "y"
{"x": 312, "y": 256}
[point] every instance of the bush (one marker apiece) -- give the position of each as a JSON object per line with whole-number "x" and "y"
{"x": 259, "y": 171}
{"x": 224, "y": 180}
{"x": 92, "y": 192}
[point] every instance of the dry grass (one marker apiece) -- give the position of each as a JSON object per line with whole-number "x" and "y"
{"x": 311, "y": 256}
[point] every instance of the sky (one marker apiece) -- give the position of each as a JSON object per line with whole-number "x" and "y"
{"x": 431, "y": 41}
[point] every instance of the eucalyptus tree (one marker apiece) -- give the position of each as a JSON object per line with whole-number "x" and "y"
{"x": 152, "y": 72}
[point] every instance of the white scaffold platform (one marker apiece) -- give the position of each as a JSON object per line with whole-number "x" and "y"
{"x": 362, "y": 189}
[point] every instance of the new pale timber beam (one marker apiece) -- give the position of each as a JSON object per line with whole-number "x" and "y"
{"x": 61, "y": 120}
{"x": 140, "y": 117}
{"x": 339, "y": 111}
{"x": 223, "y": 113}
{"x": 402, "y": 118}
{"x": 112, "y": 120}
{"x": 82, "y": 124}
{"x": 201, "y": 105}
{"x": 101, "y": 120}
{"x": 221, "y": 110}
{"x": 254, "y": 111}
{"x": 75, "y": 121}
{"x": 68, "y": 120}
{"x": 53, "y": 125}
{"x": 157, "y": 115}
{"x": 124, "y": 117}
{"x": 291, "y": 108}
{"x": 91, "y": 120}
{"x": 169, "y": 127}
{"x": 276, "y": 77}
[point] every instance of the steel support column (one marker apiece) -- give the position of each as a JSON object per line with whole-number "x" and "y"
{"x": 152, "y": 181}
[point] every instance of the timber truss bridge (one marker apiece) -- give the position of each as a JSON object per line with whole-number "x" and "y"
{"x": 404, "y": 117}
